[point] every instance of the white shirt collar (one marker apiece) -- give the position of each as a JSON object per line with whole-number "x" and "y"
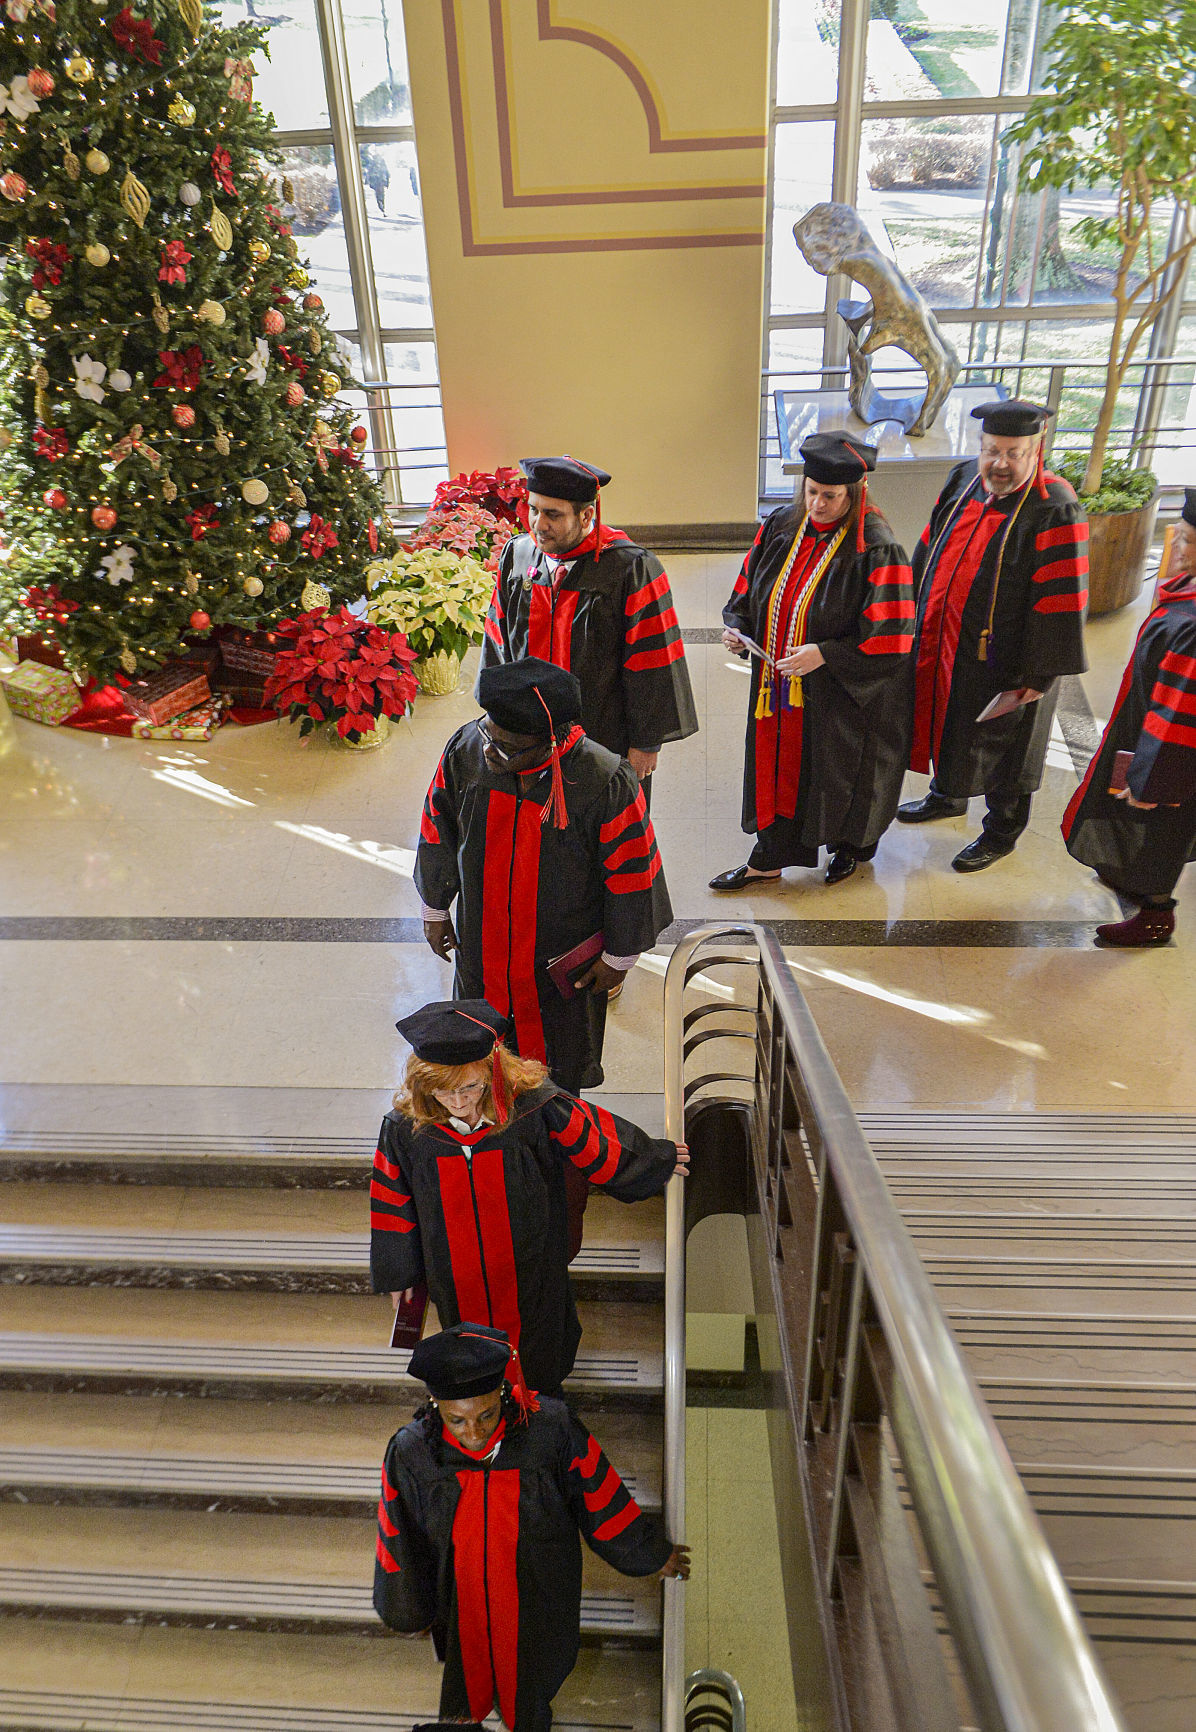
{"x": 463, "y": 1129}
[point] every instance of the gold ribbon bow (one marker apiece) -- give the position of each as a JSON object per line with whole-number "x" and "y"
{"x": 241, "y": 74}
{"x": 131, "y": 442}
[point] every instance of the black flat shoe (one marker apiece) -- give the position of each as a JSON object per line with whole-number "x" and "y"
{"x": 739, "y": 876}
{"x": 981, "y": 853}
{"x": 930, "y": 807}
{"x": 840, "y": 866}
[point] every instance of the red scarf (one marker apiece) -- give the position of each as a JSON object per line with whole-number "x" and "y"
{"x": 597, "y": 541}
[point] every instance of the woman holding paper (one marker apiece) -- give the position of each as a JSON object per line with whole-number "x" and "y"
{"x": 824, "y": 606}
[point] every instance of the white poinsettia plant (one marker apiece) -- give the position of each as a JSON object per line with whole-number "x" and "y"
{"x": 436, "y": 597}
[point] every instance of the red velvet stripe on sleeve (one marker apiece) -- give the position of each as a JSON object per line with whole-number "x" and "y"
{"x": 1174, "y": 733}
{"x": 643, "y": 661}
{"x": 1175, "y": 663}
{"x": 1073, "y": 603}
{"x": 647, "y": 592}
{"x": 621, "y": 1519}
{"x": 1063, "y": 535}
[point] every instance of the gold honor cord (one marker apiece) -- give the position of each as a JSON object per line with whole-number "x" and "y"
{"x": 987, "y": 633}
{"x": 797, "y": 622}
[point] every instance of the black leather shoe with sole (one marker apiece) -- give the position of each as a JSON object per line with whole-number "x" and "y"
{"x": 981, "y": 853}
{"x": 930, "y": 807}
{"x": 840, "y": 866}
{"x": 739, "y": 877}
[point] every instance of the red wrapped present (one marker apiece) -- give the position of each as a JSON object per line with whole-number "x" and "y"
{"x": 39, "y": 649}
{"x": 197, "y": 724}
{"x": 201, "y": 656}
{"x": 251, "y": 652}
{"x": 166, "y": 694}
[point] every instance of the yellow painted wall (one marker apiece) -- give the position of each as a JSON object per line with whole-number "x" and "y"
{"x": 593, "y": 176}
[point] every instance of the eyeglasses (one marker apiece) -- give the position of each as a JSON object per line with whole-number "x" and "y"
{"x": 507, "y": 753}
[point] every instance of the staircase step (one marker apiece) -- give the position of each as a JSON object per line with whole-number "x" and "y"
{"x": 1077, "y": 1351}
{"x": 136, "y": 1678}
{"x": 271, "y": 1346}
{"x": 321, "y": 1459}
{"x": 307, "y": 1573}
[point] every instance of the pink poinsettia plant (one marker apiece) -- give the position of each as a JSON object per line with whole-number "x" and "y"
{"x": 467, "y": 529}
{"x": 343, "y": 670}
{"x": 503, "y": 492}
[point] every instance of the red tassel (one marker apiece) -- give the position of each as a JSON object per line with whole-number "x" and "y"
{"x": 1040, "y": 472}
{"x": 859, "y": 528}
{"x": 524, "y": 1398}
{"x": 498, "y": 1087}
{"x": 554, "y": 807}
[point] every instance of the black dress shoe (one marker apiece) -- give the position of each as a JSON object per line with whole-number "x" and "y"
{"x": 981, "y": 853}
{"x": 739, "y": 876}
{"x": 929, "y": 807}
{"x": 840, "y": 866}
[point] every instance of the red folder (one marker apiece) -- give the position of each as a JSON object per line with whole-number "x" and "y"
{"x": 1119, "y": 772}
{"x": 409, "y": 1318}
{"x": 564, "y": 970}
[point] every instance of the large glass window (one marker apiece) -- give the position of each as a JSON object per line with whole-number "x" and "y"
{"x": 367, "y": 258}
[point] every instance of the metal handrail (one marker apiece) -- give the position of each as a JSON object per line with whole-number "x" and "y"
{"x": 1024, "y": 1652}
{"x": 711, "y": 1680}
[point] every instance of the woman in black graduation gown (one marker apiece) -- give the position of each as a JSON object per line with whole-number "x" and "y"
{"x": 486, "y": 1496}
{"x": 826, "y": 592}
{"x": 468, "y": 1192}
{"x": 1139, "y": 836}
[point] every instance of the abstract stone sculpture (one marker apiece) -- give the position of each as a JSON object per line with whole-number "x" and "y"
{"x": 832, "y": 238}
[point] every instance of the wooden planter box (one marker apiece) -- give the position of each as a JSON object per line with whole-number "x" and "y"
{"x": 1117, "y": 547}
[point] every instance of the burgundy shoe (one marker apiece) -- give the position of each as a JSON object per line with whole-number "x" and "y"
{"x": 1149, "y": 926}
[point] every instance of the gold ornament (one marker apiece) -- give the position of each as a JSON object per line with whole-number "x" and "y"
{"x": 5, "y": 439}
{"x": 134, "y": 200}
{"x": 288, "y": 190}
{"x": 330, "y": 384}
{"x": 254, "y": 492}
{"x": 96, "y": 162}
{"x": 71, "y": 164}
{"x": 221, "y": 442}
{"x": 191, "y": 12}
{"x": 41, "y": 405}
{"x": 290, "y": 247}
{"x": 297, "y": 496}
{"x": 97, "y": 254}
{"x": 38, "y": 307}
{"x": 79, "y": 69}
{"x": 259, "y": 251}
{"x": 253, "y": 586}
{"x": 40, "y": 377}
{"x": 192, "y": 582}
{"x": 181, "y": 112}
{"x": 297, "y": 277}
{"x": 128, "y": 660}
{"x": 314, "y": 595}
{"x": 169, "y": 491}
{"x": 211, "y": 312}
{"x": 159, "y": 314}
{"x": 315, "y": 342}
{"x": 220, "y": 228}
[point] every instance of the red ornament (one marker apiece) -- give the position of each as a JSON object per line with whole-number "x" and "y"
{"x": 358, "y": 435}
{"x": 312, "y": 303}
{"x": 41, "y": 82}
{"x": 13, "y": 186}
{"x": 279, "y": 533}
{"x": 183, "y": 415}
{"x": 55, "y": 498}
{"x": 200, "y": 621}
{"x": 273, "y": 323}
{"x": 103, "y": 517}
{"x": 372, "y": 533}
{"x": 294, "y": 394}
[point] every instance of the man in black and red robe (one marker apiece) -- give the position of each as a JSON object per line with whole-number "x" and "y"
{"x": 1137, "y": 828}
{"x": 1002, "y": 576}
{"x": 583, "y": 596}
{"x": 542, "y": 839}
{"x": 486, "y": 1496}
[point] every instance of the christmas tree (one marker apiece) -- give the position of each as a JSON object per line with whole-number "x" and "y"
{"x": 171, "y": 452}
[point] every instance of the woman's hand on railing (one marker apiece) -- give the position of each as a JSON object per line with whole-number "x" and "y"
{"x": 681, "y": 1170}
{"x": 677, "y": 1564}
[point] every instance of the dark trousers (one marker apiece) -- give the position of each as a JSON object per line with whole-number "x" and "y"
{"x": 1008, "y": 810}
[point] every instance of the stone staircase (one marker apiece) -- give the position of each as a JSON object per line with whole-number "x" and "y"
{"x": 197, "y": 1394}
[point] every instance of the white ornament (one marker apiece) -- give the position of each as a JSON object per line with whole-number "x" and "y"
{"x": 344, "y": 350}
{"x": 120, "y": 380}
{"x": 255, "y": 366}
{"x": 117, "y": 566}
{"x": 254, "y": 492}
{"x": 189, "y": 193}
{"x": 253, "y": 586}
{"x": 17, "y": 99}
{"x": 89, "y": 378}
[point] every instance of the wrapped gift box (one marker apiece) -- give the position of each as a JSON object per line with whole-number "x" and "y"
{"x": 245, "y": 694}
{"x": 202, "y": 657}
{"x": 197, "y": 724}
{"x": 41, "y": 694}
{"x": 167, "y": 694}
{"x": 251, "y": 653}
{"x": 39, "y": 649}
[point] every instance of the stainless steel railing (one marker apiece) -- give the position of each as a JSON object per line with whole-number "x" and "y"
{"x": 1024, "y": 1653}
{"x": 714, "y": 1702}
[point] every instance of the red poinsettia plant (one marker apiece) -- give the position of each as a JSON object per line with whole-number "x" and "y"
{"x": 341, "y": 669}
{"x": 501, "y": 491}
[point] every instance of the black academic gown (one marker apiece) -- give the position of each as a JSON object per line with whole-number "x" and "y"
{"x": 611, "y": 621}
{"x": 482, "y": 1218}
{"x": 528, "y": 892}
{"x": 827, "y": 771}
{"x": 487, "y": 1553}
{"x": 1154, "y": 717}
{"x": 970, "y": 644}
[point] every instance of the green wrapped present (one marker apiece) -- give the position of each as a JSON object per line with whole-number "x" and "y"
{"x": 41, "y": 694}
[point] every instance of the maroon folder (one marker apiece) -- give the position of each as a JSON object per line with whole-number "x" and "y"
{"x": 1119, "y": 772}
{"x": 409, "y": 1318}
{"x": 564, "y": 970}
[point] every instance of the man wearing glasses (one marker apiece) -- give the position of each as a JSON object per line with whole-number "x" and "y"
{"x": 542, "y": 839}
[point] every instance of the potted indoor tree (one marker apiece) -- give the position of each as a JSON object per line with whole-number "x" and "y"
{"x": 1121, "y": 111}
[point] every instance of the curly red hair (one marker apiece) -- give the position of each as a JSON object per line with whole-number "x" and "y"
{"x": 422, "y": 1080}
